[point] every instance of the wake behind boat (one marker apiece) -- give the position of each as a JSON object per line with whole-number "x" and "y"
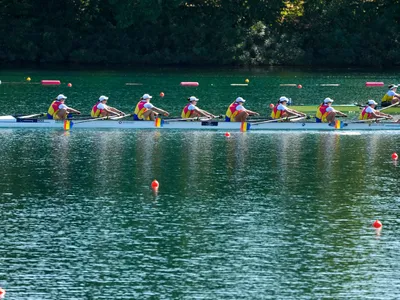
{"x": 15, "y": 122}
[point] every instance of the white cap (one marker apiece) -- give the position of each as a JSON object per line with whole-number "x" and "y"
{"x": 328, "y": 100}
{"x": 103, "y": 98}
{"x": 61, "y": 96}
{"x": 283, "y": 99}
{"x": 371, "y": 102}
{"x": 146, "y": 96}
{"x": 394, "y": 87}
{"x": 193, "y": 98}
{"x": 240, "y": 99}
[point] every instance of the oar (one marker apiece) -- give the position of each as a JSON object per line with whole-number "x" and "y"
{"x": 121, "y": 117}
{"x": 298, "y": 119}
{"x": 369, "y": 120}
{"x": 32, "y": 116}
{"x": 386, "y": 107}
{"x": 275, "y": 120}
{"x": 90, "y": 120}
{"x": 188, "y": 119}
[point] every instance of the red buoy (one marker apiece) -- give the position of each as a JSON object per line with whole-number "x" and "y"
{"x": 69, "y": 84}
{"x": 155, "y": 184}
{"x": 162, "y": 94}
{"x": 377, "y": 224}
{"x": 2, "y": 293}
{"x": 299, "y": 86}
{"x": 395, "y": 156}
{"x": 227, "y": 134}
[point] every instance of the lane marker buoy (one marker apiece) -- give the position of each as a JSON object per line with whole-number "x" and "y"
{"x": 189, "y": 83}
{"x": 373, "y": 83}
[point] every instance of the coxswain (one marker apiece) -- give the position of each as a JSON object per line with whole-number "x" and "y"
{"x": 192, "y": 111}
{"x": 144, "y": 110}
{"x": 282, "y": 111}
{"x": 101, "y": 109}
{"x": 237, "y": 113}
{"x": 369, "y": 112}
{"x": 391, "y": 97}
{"x": 58, "y": 110}
{"x": 326, "y": 113}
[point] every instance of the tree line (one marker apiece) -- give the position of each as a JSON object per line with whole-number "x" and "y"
{"x": 201, "y": 32}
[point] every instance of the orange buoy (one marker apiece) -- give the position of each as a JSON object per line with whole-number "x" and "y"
{"x": 395, "y": 156}
{"x": 271, "y": 106}
{"x": 377, "y": 224}
{"x": 299, "y": 86}
{"x": 69, "y": 84}
{"x": 2, "y": 293}
{"x": 155, "y": 184}
{"x": 162, "y": 94}
{"x": 227, "y": 134}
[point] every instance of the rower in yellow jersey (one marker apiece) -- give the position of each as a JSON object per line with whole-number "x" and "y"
{"x": 326, "y": 113}
{"x": 391, "y": 97}
{"x": 58, "y": 110}
{"x": 282, "y": 111}
{"x": 101, "y": 109}
{"x": 369, "y": 112}
{"x": 237, "y": 113}
{"x": 191, "y": 110}
{"x": 144, "y": 110}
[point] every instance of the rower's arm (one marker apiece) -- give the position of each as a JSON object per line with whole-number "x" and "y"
{"x": 295, "y": 112}
{"x": 113, "y": 109}
{"x": 339, "y": 113}
{"x": 205, "y": 113}
{"x": 70, "y": 109}
{"x": 160, "y": 111}
{"x": 378, "y": 114}
{"x": 252, "y": 113}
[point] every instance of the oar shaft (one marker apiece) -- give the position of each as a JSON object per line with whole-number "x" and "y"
{"x": 275, "y": 120}
{"x": 32, "y": 116}
{"x": 121, "y": 117}
{"x": 395, "y": 104}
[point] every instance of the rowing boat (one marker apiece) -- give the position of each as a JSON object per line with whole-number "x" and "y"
{"x": 311, "y": 109}
{"x": 12, "y": 122}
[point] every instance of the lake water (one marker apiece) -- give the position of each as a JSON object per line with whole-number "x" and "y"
{"x": 258, "y": 215}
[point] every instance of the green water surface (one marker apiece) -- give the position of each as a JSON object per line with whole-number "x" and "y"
{"x": 257, "y": 215}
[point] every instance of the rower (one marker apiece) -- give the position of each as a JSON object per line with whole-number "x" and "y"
{"x": 326, "y": 113}
{"x": 237, "y": 113}
{"x": 391, "y": 97}
{"x": 58, "y": 110}
{"x": 101, "y": 109}
{"x": 282, "y": 111}
{"x": 191, "y": 110}
{"x": 144, "y": 110}
{"x": 369, "y": 112}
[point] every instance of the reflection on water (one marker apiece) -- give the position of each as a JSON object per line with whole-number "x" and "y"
{"x": 256, "y": 215}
